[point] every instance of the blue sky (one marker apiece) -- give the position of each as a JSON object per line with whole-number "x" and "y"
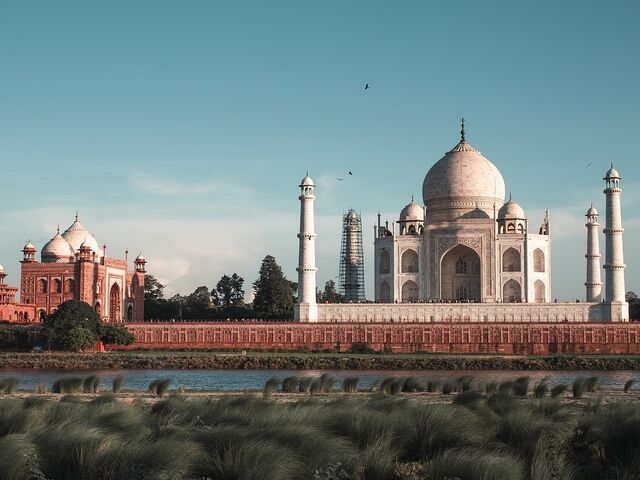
{"x": 182, "y": 129}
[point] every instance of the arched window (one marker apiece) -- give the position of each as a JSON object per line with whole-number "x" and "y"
{"x": 420, "y": 230}
{"x": 539, "y": 291}
{"x": 511, "y": 292}
{"x": 409, "y": 261}
{"x": 511, "y": 260}
{"x": 56, "y": 285}
{"x": 385, "y": 262}
{"x": 26, "y": 316}
{"x": 520, "y": 228}
{"x": 42, "y": 285}
{"x": 69, "y": 285}
{"x": 130, "y": 313}
{"x": 98, "y": 308}
{"x": 461, "y": 265}
{"x": 114, "y": 303}
{"x": 41, "y": 315}
{"x": 538, "y": 260}
{"x": 385, "y": 292}
{"x": 409, "y": 291}
{"x": 412, "y": 230}
{"x": 511, "y": 228}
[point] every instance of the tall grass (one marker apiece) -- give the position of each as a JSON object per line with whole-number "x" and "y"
{"x": 160, "y": 386}
{"x": 270, "y": 386}
{"x": 350, "y": 385}
{"x": 628, "y": 385}
{"x": 91, "y": 384}
{"x": 116, "y": 385}
{"x": 67, "y": 385}
{"x": 290, "y": 384}
{"x": 9, "y": 385}
{"x": 558, "y": 390}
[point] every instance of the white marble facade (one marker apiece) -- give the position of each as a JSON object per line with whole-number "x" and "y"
{"x": 465, "y": 244}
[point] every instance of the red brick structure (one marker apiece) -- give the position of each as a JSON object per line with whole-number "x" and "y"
{"x": 74, "y": 267}
{"x": 513, "y": 338}
{"x": 10, "y": 309}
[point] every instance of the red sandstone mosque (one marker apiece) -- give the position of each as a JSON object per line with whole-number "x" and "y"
{"x": 73, "y": 266}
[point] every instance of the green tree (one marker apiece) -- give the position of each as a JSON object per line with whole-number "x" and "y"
{"x": 634, "y": 305}
{"x": 116, "y": 334}
{"x": 330, "y": 293}
{"x": 273, "y": 293}
{"x": 153, "y": 289}
{"x": 198, "y": 304}
{"x": 228, "y": 291}
{"x": 75, "y": 326}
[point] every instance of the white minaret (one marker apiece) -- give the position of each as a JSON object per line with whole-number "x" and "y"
{"x": 593, "y": 283}
{"x": 614, "y": 261}
{"x": 306, "y": 309}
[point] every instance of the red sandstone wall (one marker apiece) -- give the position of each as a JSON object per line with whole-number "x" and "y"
{"x": 438, "y": 338}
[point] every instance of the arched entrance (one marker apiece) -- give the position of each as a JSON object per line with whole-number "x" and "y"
{"x": 409, "y": 291}
{"x": 114, "y": 303}
{"x": 460, "y": 274}
{"x": 130, "y": 313}
{"x": 511, "y": 292}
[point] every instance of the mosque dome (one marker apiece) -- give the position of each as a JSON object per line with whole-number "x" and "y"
{"x": 592, "y": 211}
{"x": 306, "y": 182}
{"x": 412, "y": 212}
{"x": 76, "y": 235}
{"x": 463, "y": 179}
{"x": 140, "y": 258}
{"x": 57, "y": 250}
{"x": 511, "y": 210}
{"x": 29, "y": 247}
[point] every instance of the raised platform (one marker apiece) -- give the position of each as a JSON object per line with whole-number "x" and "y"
{"x": 511, "y": 338}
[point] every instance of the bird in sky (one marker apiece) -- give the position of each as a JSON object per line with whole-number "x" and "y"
{"x": 366, "y": 86}
{"x": 341, "y": 179}
{"x": 588, "y": 165}
{"x": 350, "y": 172}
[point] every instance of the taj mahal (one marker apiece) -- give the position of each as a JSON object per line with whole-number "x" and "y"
{"x": 467, "y": 255}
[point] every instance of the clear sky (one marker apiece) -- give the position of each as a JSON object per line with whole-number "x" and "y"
{"x": 182, "y": 129}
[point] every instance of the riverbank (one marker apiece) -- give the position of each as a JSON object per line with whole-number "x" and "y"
{"x": 302, "y": 361}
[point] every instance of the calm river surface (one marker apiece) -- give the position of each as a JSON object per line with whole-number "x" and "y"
{"x": 235, "y": 380}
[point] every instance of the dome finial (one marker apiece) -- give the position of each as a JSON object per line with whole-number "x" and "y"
{"x": 462, "y": 132}
{"x": 76, "y": 215}
{"x": 411, "y": 198}
{"x": 58, "y": 229}
{"x": 509, "y": 196}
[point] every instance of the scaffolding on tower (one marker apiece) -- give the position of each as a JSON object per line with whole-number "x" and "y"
{"x": 351, "y": 277}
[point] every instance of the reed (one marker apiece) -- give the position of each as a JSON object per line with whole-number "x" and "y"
{"x": 290, "y": 384}
{"x": 116, "y": 385}
{"x": 628, "y": 385}
{"x": 305, "y": 385}
{"x": 159, "y": 386}
{"x": 541, "y": 389}
{"x": 579, "y": 387}
{"x": 270, "y": 386}
{"x": 67, "y": 385}
{"x": 558, "y": 390}
{"x": 350, "y": 385}
{"x": 91, "y": 384}
{"x": 9, "y": 385}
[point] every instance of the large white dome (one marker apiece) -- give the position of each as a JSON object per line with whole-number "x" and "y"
{"x": 463, "y": 180}
{"x": 76, "y": 235}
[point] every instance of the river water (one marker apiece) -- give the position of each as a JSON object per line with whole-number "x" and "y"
{"x": 239, "y": 380}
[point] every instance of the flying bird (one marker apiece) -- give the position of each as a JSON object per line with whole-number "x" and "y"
{"x": 366, "y": 86}
{"x": 341, "y": 179}
{"x": 588, "y": 166}
{"x": 350, "y": 172}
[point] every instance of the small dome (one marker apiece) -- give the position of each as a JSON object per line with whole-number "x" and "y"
{"x": 306, "y": 182}
{"x": 612, "y": 173}
{"x": 511, "y": 210}
{"x": 592, "y": 211}
{"x": 413, "y": 211}
{"x": 57, "y": 250}
{"x": 1, "y": 268}
{"x": 29, "y": 247}
{"x": 140, "y": 259}
{"x": 85, "y": 246}
{"x": 76, "y": 235}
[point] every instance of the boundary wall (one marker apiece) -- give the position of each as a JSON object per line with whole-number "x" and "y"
{"x": 512, "y": 338}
